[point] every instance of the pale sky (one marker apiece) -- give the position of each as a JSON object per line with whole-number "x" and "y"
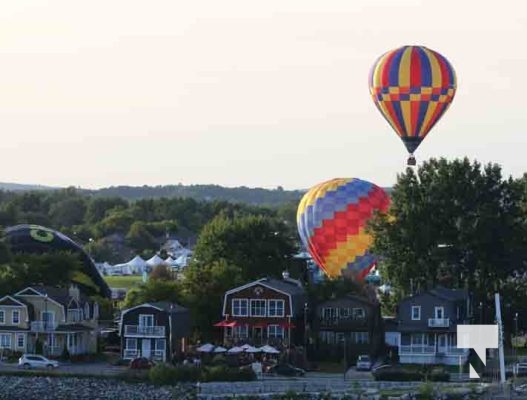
{"x": 256, "y": 93}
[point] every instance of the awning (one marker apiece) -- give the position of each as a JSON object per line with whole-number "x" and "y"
{"x": 226, "y": 324}
{"x": 260, "y": 325}
{"x": 287, "y": 325}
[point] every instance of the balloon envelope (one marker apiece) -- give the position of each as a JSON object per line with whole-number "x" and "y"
{"x": 412, "y": 86}
{"x": 332, "y": 219}
{"x": 35, "y": 239}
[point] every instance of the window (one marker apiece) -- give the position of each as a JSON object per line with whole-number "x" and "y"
{"x": 339, "y": 337}
{"x": 360, "y": 337}
{"x": 439, "y": 312}
{"x": 358, "y": 313}
{"x": 2, "y": 317}
{"x": 329, "y": 312}
{"x": 240, "y": 331}
{"x": 239, "y": 308}
{"x": 276, "y": 308}
{"x": 5, "y": 341}
{"x": 47, "y": 316}
{"x": 87, "y": 311}
{"x": 258, "y": 308}
{"x": 344, "y": 313}
{"x": 15, "y": 317}
{"x": 417, "y": 339}
{"x": 275, "y": 331}
{"x": 416, "y": 313}
{"x": 146, "y": 320}
{"x": 131, "y": 344}
{"x": 327, "y": 337}
{"x": 160, "y": 344}
{"x": 74, "y": 315}
{"x": 20, "y": 340}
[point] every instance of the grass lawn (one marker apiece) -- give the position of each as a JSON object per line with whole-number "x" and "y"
{"x": 123, "y": 281}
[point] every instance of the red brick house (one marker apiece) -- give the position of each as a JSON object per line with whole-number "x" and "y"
{"x": 266, "y": 311}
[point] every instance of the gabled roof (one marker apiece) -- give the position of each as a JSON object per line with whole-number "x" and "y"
{"x": 356, "y": 298}
{"x": 11, "y": 301}
{"x": 59, "y": 295}
{"x": 442, "y": 293}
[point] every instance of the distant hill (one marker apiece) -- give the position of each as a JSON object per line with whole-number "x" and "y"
{"x": 242, "y": 194}
{"x": 22, "y": 187}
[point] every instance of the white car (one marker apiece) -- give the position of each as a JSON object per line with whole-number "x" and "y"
{"x": 28, "y": 361}
{"x": 363, "y": 363}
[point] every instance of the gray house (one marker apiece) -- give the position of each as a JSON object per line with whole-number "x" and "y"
{"x": 427, "y": 324}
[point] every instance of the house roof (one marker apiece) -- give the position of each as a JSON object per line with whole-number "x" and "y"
{"x": 450, "y": 294}
{"x": 352, "y": 297}
{"x": 60, "y": 295}
{"x": 12, "y": 329}
{"x": 167, "y": 306}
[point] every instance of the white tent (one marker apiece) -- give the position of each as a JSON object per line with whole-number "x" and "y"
{"x": 169, "y": 260}
{"x": 235, "y": 350}
{"x": 182, "y": 261}
{"x": 205, "y": 348}
{"x": 220, "y": 349}
{"x": 269, "y": 349}
{"x": 252, "y": 349}
{"x": 137, "y": 265}
{"x": 155, "y": 261}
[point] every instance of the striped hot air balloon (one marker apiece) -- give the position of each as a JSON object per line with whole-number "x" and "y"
{"x": 332, "y": 218}
{"x": 412, "y": 87}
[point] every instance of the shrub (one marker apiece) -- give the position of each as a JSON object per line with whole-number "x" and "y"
{"x": 65, "y": 354}
{"x": 426, "y": 391}
{"x": 222, "y": 373}
{"x": 397, "y": 374}
{"x": 164, "y": 374}
{"x": 219, "y": 359}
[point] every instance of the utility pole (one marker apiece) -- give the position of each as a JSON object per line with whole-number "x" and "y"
{"x": 500, "y": 337}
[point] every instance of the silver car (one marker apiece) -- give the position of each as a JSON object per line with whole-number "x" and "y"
{"x": 363, "y": 363}
{"x": 28, "y": 361}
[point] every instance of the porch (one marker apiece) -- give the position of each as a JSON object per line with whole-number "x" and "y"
{"x": 431, "y": 348}
{"x": 151, "y": 348}
{"x": 257, "y": 334}
{"x": 53, "y": 344}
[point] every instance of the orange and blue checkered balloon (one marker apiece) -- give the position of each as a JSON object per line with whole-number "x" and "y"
{"x": 412, "y": 86}
{"x": 332, "y": 218}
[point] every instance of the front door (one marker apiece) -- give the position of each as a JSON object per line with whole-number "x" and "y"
{"x": 257, "y": 335}
{"x": 145, "y": 348}
{"x": 442, "y": 343}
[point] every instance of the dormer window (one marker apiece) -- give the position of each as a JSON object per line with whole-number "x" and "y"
{"x": 416, "y": 313}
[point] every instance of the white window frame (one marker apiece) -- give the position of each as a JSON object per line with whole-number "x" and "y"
{"x": 141, "y": 319}
{"x": 358, "y": 313}
{"x": 436, "y": 308}
{"x": 130, "y": 340}
{"x": 86, "y": 311}
{"x": 345, "y": 312}
{"x": 158, "y": 340}
{"x": 278, "y": 331}
{"x": 240, "y": 301}
{"x": 18, "y": 337}
{"x": 275, "y": 308}
{"x": 419, "y": 313}
{"x": 2, "y": 345}
{"x": 74, "y": 311}
{"x": 264, "y": 307}
{"x": 2, "y": 320}
{"x": 13, "y": 317}
{"x": 240, "y": 331}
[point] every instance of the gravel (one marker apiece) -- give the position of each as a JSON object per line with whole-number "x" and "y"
{"x": 47, "y": 388}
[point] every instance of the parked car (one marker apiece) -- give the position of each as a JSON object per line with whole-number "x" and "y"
{"x": 28, "y": 361}
{"x": 286, "y": 370}
{"x": 363, "y": 363}
{"x": 141, "y": 363}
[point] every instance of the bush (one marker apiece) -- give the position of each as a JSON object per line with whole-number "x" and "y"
{"x": 222, "y": 373}
{"x": 219, "y": 359}
{"x": 164, "y": 374}
{"x": 397, "y": 374}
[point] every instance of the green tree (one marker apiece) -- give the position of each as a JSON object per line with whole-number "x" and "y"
{"x": 451, "y": 223}
{"x": 203, "y": 290}
{"x": 98, "y": 207}
{"x": 68, "y": 212}
{"x": 140, "y": 239}
{"x": 154, "y": 290}
{"x": 258, "y": 245}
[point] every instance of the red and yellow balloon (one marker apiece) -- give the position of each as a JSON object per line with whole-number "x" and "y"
{"x": 332, "y": 218}
{"x": 412, "y": 86}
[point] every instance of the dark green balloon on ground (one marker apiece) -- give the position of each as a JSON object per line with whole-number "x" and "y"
{"x": 36, "y": 239}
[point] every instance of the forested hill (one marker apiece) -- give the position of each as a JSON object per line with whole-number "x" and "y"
{"x": 253, "y": 196}
{"x": 243, "y": 194}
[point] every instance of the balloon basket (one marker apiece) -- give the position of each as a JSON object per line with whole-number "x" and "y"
{"x": 411, "y": 161}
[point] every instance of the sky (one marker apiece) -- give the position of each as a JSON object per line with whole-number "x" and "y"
{"x": 244, "y": 92}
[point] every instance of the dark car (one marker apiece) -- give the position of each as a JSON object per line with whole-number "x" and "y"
{"x": 141, "y": 363}
{"x": 287, "y": 370}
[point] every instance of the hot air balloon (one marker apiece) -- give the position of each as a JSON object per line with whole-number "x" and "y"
{"x": 412, "y": 87}
{"x": 332, "y": 218}
{"x": 35, "y": 239}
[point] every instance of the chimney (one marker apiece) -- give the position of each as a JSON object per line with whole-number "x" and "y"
{"x": 74, "y": 292}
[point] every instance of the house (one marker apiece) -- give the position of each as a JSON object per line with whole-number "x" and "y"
{"x": 48, "y": 319}
{"x": 427, "y": 323}
{"x": 266, "y": 311}
{"x": 156, "y": 331}
{"x": 343, "y": 325}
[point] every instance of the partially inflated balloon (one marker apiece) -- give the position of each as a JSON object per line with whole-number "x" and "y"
{"x": 412, "y": 87}
{"x": 332, "y": 219}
